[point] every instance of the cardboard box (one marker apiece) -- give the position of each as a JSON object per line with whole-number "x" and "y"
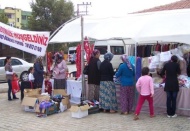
{"x": 32, "y": 92}
{"x": 79, "y": 111}
{"x": 63, "y": 92}
{"x": 29, "y": 104}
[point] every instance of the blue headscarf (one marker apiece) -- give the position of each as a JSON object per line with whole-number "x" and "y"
{"x": 108, "y": 56}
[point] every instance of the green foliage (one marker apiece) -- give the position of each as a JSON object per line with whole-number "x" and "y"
{"x": 3, "y": 18}
{"x": 48, "y": 15}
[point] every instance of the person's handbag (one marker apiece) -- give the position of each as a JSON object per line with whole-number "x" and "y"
{"x": 86, "y": 70}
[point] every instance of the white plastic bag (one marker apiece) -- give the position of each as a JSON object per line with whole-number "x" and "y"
{"x": 165, "y": 56}
{"x": 62, "y": 107}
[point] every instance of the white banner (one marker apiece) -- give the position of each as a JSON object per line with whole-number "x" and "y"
{"x": 29, "y": 41}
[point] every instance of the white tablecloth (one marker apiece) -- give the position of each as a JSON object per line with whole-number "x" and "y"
{"x": 74, "y": 88}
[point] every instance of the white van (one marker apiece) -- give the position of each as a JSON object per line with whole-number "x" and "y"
{"x": 114, "y": 46}
{"x": 72, "y": 54}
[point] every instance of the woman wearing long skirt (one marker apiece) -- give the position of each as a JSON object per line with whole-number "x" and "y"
{"x": 60, "y": 71}
{"x": 107, "y": 98}
{"x": 94, "y": 76}
{"x": 126, "y": 75}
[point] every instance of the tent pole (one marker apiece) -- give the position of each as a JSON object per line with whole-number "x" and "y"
{"x": 82, "y": 59}
{"x": 135, "y": 99}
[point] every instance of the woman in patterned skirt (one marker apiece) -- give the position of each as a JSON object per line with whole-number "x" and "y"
{"x": 107, "y": 87}
{"x": 126, "y": 75}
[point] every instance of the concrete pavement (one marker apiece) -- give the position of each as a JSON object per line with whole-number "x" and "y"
{"x": 3, "y": 87}
{"x": 13, "y": 118}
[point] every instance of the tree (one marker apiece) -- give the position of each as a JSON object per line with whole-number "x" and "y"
{"x": 3, "y": 18}
{"x": 48, "y": 15}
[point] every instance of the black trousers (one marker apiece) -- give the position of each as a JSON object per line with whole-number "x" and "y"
{"x": 10, "y": 90}
{"x": 171, "y": 102}
{"x": 25, "y": 85}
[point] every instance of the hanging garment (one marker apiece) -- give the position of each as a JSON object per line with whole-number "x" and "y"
{"x": 138, "y": 68}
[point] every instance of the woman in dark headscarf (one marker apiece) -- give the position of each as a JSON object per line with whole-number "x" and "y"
{"x": 38, "y": 73}
{"x": 94, "y": 76}
{"x": 107, "y": 87}
{"x": 126, "y": 74}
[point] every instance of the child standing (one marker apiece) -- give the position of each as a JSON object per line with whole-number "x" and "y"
{"x": 31, "y": 76}
{"x": 31, "y": 72}
{"x": 145, "y": 87}
{"x": 48, "y": 84}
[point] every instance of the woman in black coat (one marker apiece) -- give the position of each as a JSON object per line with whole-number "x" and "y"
{"x": 171, "y": 71}
{"x": 94, "y": 76}
{"x": 38, "y": 73}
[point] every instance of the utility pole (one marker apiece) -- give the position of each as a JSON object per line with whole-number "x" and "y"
{"x": 83, "y": 4}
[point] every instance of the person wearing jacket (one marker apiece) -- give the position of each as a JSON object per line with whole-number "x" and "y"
{"x": 60, "y": 71}
{"x": 108, "y": 100}
{"x": 126, "y": 73}
{"x": 9, "y": 76}
{"x": 38, "y": 73}
{"x": 94, "y": 76}
{"x": 171, "y": 70}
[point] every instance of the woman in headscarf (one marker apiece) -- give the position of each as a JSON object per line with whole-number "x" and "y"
{"x": 94, "y": 76}
{"x": 107, "y": 98}
{"x": 60, "y": 71}
{"x": 38, "y": 73}
{"x": 126, "y": 73}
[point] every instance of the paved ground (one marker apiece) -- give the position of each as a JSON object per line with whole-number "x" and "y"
{"x": 13, "y": 118}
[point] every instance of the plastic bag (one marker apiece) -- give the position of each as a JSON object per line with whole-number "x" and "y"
{"x": 165, "y": 56}
{"x": 62, "y": 107}
{"x": 15, "y": 86}
{"x": 185, "y": 49}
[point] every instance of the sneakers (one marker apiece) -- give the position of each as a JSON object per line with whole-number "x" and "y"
{"x": 174, "y": 116}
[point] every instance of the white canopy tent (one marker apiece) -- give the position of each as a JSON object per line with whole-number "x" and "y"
{"x": 163, "y": 26}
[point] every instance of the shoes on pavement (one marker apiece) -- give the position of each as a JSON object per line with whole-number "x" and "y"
{"x": 136, "y": 118}
{"x": 15, "y": 98}
{"x": 169, "y": 116}
{"x": 174, "y": 116}
{"x": 152, "y": 116}
{"x": 10, "y": 99}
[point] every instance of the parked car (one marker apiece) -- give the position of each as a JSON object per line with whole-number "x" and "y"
{"x": 20, "y": 67}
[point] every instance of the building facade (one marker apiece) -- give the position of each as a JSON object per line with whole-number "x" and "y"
{"x": 19, "y": 19}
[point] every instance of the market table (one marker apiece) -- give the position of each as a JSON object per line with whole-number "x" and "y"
{"x": 74, "y": 88}
{"x": 183, "y": 105}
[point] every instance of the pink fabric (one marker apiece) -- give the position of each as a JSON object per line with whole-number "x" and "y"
{"x": 144, "y": 85}
{"x": 141, "y": 102}
{"x": 60, "y": 70}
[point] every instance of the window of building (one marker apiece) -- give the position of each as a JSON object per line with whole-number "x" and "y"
{"x": 102, "y": 49}
{"x": 17, "y": 19}
{"x": 117, "y": 50}
{"x": 23, "y": 17}
{"x": 9, "y": 16}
